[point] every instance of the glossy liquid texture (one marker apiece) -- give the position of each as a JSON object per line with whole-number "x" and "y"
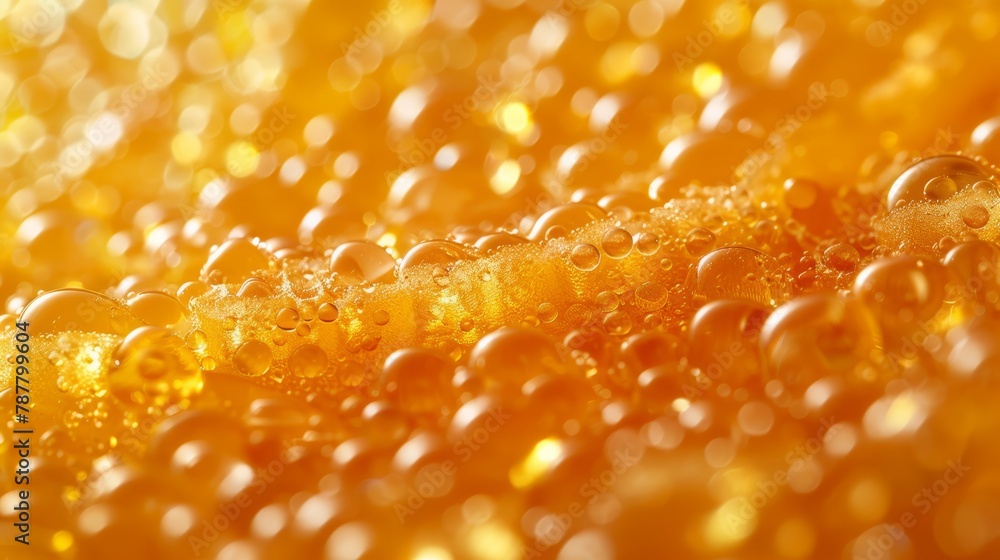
{"x": 503, "y": 279}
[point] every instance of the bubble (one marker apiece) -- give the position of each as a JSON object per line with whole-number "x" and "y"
{"x": 975, "y": 216}
{"x": 358, "y": 261}
{"x": 940, "y": 188}
{"x": 197, "y": 340}
{"x": 437, "y": 252}
{"x": 935, "y": 179}
{"x": 233, "y": 262}
{"x": 617, "y": 323}
{"x": 647, "y": 244}
{"x": 308, "y": 361}
{"x": 743, "y": 273}
{"x": 650, "y": 296}
{"x": 547, "y": 312}
{"x": 287, "y": 318}
{"x": 699, "y": 241}
{"x": 153, "y": 367}
{"x": 253, "y": 358}
{"x": 564, "y": 219}
{"x": 417, "y": 379}
{"x": 800, "y": 193}
{"x": 440, "y": 276}
{"x": 585, "y": 257}
{"x": 607, "y": 301}
{"x": 73, "y": 309}
{"x": 255, "y": 288}
{"x": 381, "y": 317}
{"x": 617, "y": 243}
{"x": 841, "y": 257}
{"x": 328, "y": 312}
{"x": 157, "y": 308}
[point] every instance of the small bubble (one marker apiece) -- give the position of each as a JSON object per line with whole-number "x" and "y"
{"x": 975, "y": 216}
{"x": 607, "y": 301}
{"x": 585, "y": 257}
{"x": 617, "y": 243}
{"x": 253, "y": 358}
{"x": 381, "y": 317}
{"x": 328, "y": 312}
{"x": 940, "y": 188}
{"x": 842, "y": 257}
{"x": 617, "y": 323}
{"x": 196, "y": 340}
{"x": 308, "y": 361}
{"x": 647, "y": 244}
{"x": 699, "y": 241}
{"x": 547, "y": 312}
{"x": 986, "y": 188}
{"x": 287, "y": 319}
{"x": 440, "y": 276}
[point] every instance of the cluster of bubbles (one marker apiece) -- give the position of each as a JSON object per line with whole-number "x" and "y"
{"x": 502, "y": 279}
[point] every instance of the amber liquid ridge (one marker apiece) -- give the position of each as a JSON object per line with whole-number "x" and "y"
{"x": 501, "y": 279}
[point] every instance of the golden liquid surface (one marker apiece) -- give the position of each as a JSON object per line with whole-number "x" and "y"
{"x": 502, "y": 279}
